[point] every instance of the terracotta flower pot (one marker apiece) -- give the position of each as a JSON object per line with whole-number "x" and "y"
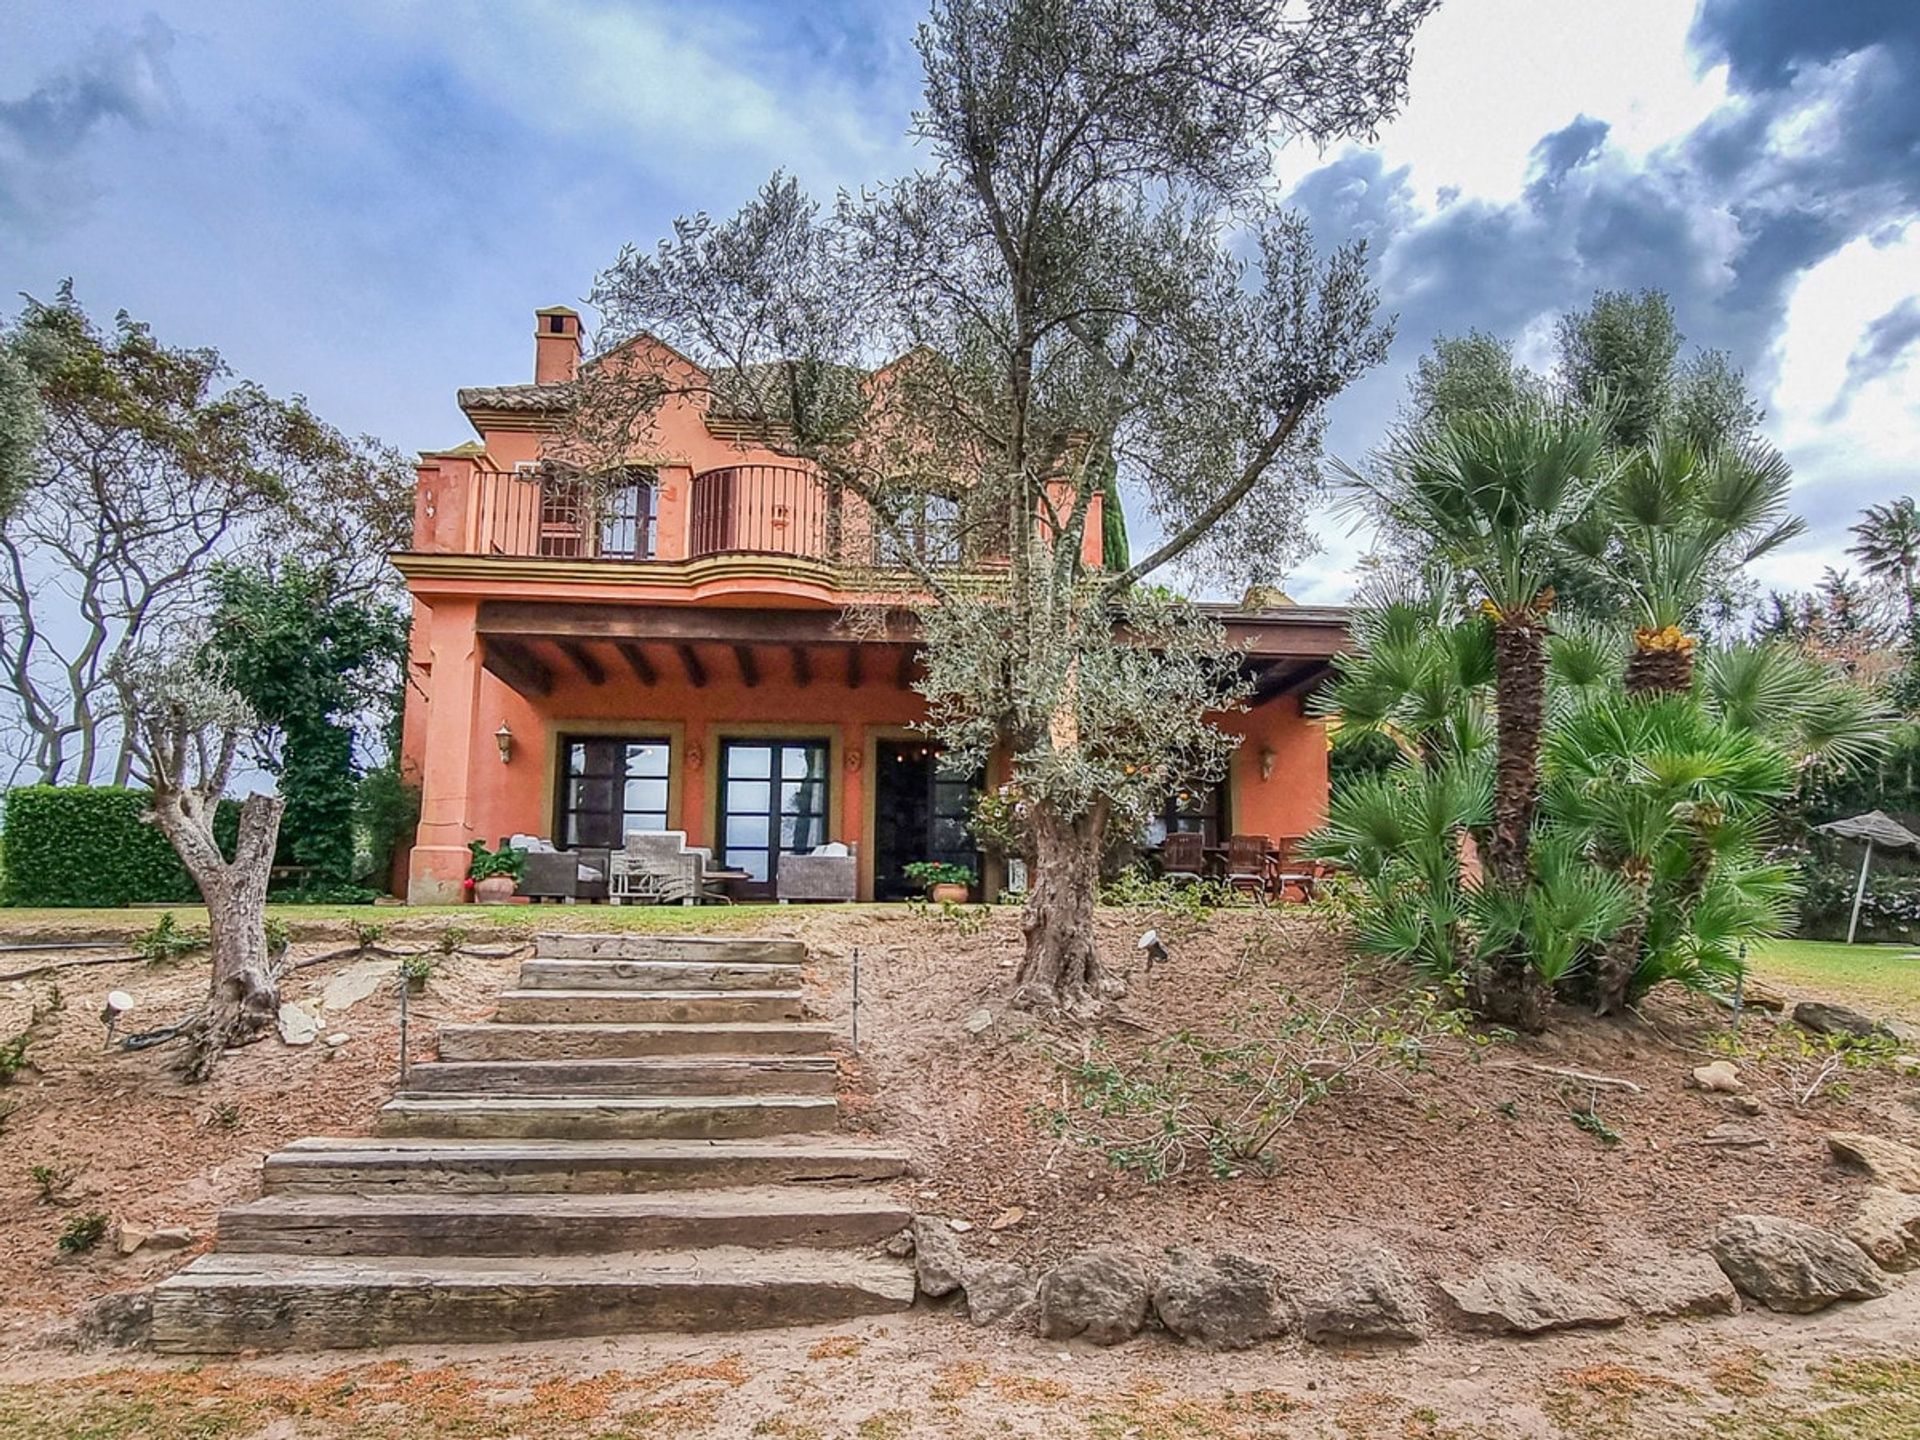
{"x": 949, "y": 894}
{"x": 494, "y": 890}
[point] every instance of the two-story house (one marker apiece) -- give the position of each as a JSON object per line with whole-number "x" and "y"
{"x": 669, "y": 653}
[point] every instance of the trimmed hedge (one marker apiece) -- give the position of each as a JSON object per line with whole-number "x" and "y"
{"x": 89, "y": 845}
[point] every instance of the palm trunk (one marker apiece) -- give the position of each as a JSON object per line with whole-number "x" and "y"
{"x": 1619, "y": 960}
{"x": 1509, "y": 989}
{"x": 1661, "y": 663}
{"x": 1061, "y": 969}
{"x": 243, "y": 991}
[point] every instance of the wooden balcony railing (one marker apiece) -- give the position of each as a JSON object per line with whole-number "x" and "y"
{"x": 764, "y": 510}
{"x": 519, "y": 512}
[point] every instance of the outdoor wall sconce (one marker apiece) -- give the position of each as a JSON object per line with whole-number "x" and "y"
{"x": 1267, "y": 757}
{"x": 503, "y": 737}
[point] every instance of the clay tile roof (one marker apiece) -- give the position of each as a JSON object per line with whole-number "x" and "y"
{"x": 526, "y": 399}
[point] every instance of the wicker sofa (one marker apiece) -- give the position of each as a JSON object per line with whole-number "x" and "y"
{"x": 564, "y": 875}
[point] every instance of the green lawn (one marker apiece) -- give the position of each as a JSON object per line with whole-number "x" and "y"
{"x": 1883, "y": 980}
{"x": 320, "y": 922}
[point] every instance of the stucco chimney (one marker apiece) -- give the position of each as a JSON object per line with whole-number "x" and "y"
{"x": 556, "y": 344}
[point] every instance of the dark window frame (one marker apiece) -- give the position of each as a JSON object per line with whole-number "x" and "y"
{"x": 567, "y": 810}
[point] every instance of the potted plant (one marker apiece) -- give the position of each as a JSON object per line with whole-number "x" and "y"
{"x": 416, "y": 969}
{"x": 495, "y": 873}
{"x": 944, "y": 882}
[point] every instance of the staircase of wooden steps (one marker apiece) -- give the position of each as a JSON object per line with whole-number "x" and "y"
{"x": 644, "y": 1138}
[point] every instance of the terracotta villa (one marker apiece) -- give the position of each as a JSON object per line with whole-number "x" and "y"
{"x": 670, "y": 656}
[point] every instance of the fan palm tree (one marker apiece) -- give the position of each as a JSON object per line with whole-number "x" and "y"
{"x": 1419, "y": 676}
{"x": 1686, "y": 519}
{"x": 1887, "y": 545}
{"x": 1809, "y": 707}
{"x": 1498, "y": 491}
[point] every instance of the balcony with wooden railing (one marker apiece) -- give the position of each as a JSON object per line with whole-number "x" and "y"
{"x": 782, "y": 512}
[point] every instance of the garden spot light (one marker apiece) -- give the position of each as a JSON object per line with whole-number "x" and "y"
{"x": 1153, "y": 948}
{"x": 117, "y": 1004}
{"x": 503, "y": 737}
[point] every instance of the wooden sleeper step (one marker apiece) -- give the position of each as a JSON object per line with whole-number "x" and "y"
{"x": 605, "y": 1117}
{"x": 377, "y": 1165}
{"x": 712, "y": 949}
{"x": 651, "y": 1075}
{"x": 224, "y": 1303}
{"x": 620, "y": 1041}
{"x": 527, "y": 1224}
{"x": 655, "y": 975}
{"x": 600, "y": 1007}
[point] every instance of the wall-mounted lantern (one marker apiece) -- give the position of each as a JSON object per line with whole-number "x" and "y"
{"x": 1267, "y": 757}
{"x": 503, "y": 737}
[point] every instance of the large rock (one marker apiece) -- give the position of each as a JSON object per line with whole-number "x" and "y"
{"x": 1889, "y": 1162}
{"x": 1792, "y": 1267}
{"x": 1720, "y": 1075}
{"x": 999, "y": 1293}
{"x": 1824, "y": 1019}
{"x": 1100, "y": 1296}
{"x": 123, "y": 1321}
{"x": 1669, "y": 1286}
{"x": 1519, "y": 1299}
{"x": 1220, "y": 1302}
{"x": 1888, "y": 1228}
{"x": 937, "y": 1262}
{"x": 1370, "y": 1297}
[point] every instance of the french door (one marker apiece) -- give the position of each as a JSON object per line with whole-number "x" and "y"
{"x": 773, "y": 802}
{"x": 608, "y": 786}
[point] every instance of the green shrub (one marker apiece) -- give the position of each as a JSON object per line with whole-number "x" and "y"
{"x": 83, "y": 1233}
{"x": 90, "y": 845}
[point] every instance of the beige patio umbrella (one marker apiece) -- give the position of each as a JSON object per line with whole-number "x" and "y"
{"x": 1873, "y": 828}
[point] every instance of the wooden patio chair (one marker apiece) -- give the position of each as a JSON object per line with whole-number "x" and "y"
{"x": 1291, "y": 871}
{"x": 1251, "y": 867}
{"x": 1183, "y": 857}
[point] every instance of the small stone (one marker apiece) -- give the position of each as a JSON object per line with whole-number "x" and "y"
{"x": 1758, "y": 995}
{"x": 1100, "y": 1296}
{"x": 899, "y": 1246}
{"x": 1521, "y": 1300}
{"x": 1825, "y": 1019}
{"x": 1670, "y": 1286}
{"x": 130, "y": 1238}
{"x": 999, "y": 1293}
{"x": 1220, "y": 1302}
{"x": 960, "y": 1227}
{"x": 1748, "y": 1105}
{"x": 1720, "y": 1075}
{"x": 1888, "y": 1228}
{"x": 338, "y": 1038}
{"x": 1371, "y": 1297}
{"x": 979, "y": 1022}
{"x": 1888, "y": 1161}
{"x": 1007, "y": 1218}
{"x": 298, "y": 1025}
{"x": 170, "y": 1237}
{"x": 1734, "y": 1137}
{"x": 1791, "y": 1267}
{"x": 937, "y": 1261}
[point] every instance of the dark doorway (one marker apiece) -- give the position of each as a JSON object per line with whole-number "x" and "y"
{"x": 609, "y": 786}
{"x": 920, "y": 810}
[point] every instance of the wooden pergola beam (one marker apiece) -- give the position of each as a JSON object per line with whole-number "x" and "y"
{"x": 802, "y": 665}
{"x": 690, "y": 662}
{"x": 518, "y": 668}
{"x": 853, "y": 667}
{"x": 637, "y": 662}
{"x": 749, "y": 667}
{"x": 903, "y": 676}
{"x": 582, "y": 659}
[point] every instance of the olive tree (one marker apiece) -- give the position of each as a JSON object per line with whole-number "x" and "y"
{"x": 1086, "y": 280}
{"x": 184, "y": 724}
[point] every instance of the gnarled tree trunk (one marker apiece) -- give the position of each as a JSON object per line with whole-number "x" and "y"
{"x": 243, "y": 992}
{"x": 1061, "y": 969}
{"x": 1508, "y": 989}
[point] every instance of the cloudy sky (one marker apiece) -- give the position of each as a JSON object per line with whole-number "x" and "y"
{"x": 364, "y": 201}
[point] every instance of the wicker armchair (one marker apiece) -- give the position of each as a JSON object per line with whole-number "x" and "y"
{"x": 658, "y": 867}
{"x": 818, "y": 877}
